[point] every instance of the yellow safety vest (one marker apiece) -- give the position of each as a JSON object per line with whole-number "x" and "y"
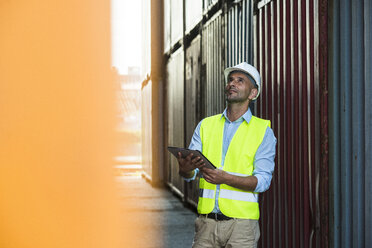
{"x": 233, "y": 202}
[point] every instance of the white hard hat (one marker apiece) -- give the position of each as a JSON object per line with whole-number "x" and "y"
{"x": 250, "y": 70}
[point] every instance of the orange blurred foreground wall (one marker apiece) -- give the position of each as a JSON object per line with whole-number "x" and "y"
{"x": 56, "y": 127}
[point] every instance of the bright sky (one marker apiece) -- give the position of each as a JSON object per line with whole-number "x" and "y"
{"x": 126, "y": 34}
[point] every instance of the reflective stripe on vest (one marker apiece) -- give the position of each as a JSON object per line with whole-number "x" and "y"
{"x": 239, "y": 196}
{"x": 207, "y": 193}
{"x": 239, "y": 159}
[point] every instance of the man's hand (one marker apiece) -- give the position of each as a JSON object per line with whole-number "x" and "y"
{"x": 218, "y": 176}
{"x": 215, "y": 176}
{"x": 188, "y": 165}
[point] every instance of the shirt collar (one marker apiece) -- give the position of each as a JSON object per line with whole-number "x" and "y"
{"x": 247, "y": 116}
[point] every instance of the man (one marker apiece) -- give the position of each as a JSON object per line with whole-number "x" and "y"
{"x": 242, "y": 147}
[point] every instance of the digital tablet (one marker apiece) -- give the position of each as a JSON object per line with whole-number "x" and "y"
{"x": 185, "y": 152}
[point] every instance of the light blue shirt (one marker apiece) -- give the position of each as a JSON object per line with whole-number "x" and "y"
{"x": 264, "y": 159}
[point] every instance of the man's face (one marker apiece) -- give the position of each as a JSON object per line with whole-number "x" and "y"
{"x": 239, "y": 88}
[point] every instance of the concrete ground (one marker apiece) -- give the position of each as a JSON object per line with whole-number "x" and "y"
{"x": 160, "y": 216}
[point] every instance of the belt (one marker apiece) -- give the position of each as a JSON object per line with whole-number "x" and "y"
{"x": 216, "y": 216}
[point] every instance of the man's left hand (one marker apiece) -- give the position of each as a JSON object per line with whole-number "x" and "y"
{"x": 215, "y": 176}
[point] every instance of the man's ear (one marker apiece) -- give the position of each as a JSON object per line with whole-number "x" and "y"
{"x": 253, "y": 93}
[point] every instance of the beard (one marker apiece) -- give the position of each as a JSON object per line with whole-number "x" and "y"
{"x": 235, "y": 99}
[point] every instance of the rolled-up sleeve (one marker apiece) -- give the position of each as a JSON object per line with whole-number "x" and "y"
{"x": 264, "y": 161}
{"x": 195, "y": 144}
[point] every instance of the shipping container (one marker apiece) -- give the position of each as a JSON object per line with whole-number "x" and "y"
{"x": 175, "y": 116}
{"x": 176, "y": 19}
{"x": 239, "y": 32}
{"x": 350, "y": 123}
{"x": 286, "y": 54}
{"x": 192, "y": 105}
{"x": 208, "y": 4}
{"x": 193, "y": 13}
{"x": 213, "y": 96}
{"x": 192, "y": 88}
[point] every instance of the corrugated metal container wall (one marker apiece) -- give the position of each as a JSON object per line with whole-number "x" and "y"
{"x": 193, "y": 9}
{"x": 350, "y": 123}
{"x": 175, "y": 123}
{"x": 167, "y": 25}
{"x": 146, "y": 129}
{"x": 208, "y": 4}
{"x": 176, "y": 18}
{"x": 286, "y": 54}
{"x": 192, "y": 105}
{"x": 213, "y": 64}
{"x": 239, "y": 33}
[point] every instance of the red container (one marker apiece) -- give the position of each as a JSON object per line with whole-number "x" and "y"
{"x": 287, "y": 55}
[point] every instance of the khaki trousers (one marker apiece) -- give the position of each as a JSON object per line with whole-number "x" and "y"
{"x": 227, "y": 233}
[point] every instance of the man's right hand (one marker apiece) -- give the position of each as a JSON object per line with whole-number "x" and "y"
{"x": 188, "y": 165}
